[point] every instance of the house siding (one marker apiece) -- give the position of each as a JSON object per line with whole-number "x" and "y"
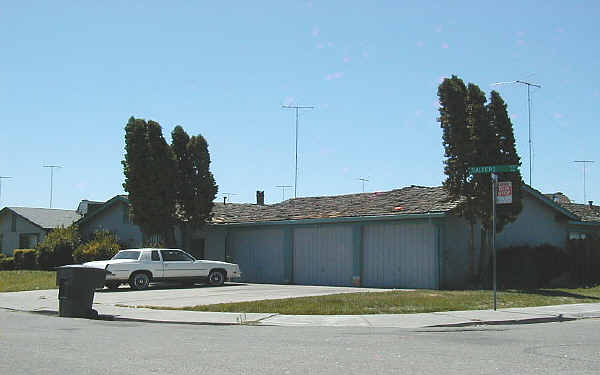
{"x": 111, "y": 219}
{"x": 10, "y": 238}
{"x": 536, "y": 225}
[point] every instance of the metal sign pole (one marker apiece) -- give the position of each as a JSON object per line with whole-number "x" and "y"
{"x": 494, "y": 183}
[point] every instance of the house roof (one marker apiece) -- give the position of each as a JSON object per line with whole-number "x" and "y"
{"x": 558, "y": 197}
{"x": 102, "y": 207}
{"x": 408, "y": 200}
{"x": 46, "y": 218}
{"x": 585, "y": 212}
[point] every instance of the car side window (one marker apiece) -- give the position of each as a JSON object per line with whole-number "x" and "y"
{"x": 155, "y": 256}
{"x": 175, "y": 256}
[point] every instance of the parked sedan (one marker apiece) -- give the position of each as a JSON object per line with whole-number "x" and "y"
{"x": 140, "y": 267}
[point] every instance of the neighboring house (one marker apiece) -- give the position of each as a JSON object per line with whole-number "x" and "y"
{"x": 588, "y": 220}
{"x": 25, "y": 227}
{"x": 112, "y": 215}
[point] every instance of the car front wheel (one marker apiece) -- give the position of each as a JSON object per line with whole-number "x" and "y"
{"x": 139, "y": 281}
{"x": 216, "y": 278}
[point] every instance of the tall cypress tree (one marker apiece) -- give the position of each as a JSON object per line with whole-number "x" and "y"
{"x": 507, "y": 155}
{"x": 476, "y": 134}
{"x": 196, "y": 187}
{"x": 149, "y": 169}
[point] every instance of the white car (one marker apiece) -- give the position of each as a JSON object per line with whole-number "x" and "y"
{"x": 139, "y": 267}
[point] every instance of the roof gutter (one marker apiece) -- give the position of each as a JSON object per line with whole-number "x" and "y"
{"x": 354, "y": 219}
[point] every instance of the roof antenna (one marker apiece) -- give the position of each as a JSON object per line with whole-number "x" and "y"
{"x": 584, "y": 162}
{"x": 226, "y": 196}
{"x": 363, "y": 182}
{"x": 52, "y": 167}
{"x": 297, "y": 107}
{"x": 283, "y": 187}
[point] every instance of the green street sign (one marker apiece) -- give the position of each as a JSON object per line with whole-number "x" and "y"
{"x": 493, "y": 169}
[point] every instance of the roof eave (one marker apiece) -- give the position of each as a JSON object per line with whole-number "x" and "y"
{"x": 350, "y": 219}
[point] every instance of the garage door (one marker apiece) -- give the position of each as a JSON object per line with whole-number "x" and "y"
{"x": 259, "y": 253}
{"x": 323, "y": 255}
{"x": 400, "y": 255}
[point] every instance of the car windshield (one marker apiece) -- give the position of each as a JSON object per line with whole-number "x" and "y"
{"x": 127, "y": 255}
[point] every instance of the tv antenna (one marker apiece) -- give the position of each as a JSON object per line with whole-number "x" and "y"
{"x": 363, "y": 182}
{"x": 297, "y": 108}
{"x": 52, "y": 168}
{"x": 226, "y": 196}
{"x": 584, "y": 162}
{"x": 528, "y": 84}
{"x": 1, "y": 178}
{"x": 283, "y": 187}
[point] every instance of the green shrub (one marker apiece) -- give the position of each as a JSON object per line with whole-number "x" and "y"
{"x": 7, "y": 263}
{"x": 103, "y": 245}
{"x": 2, "y": 255}
{"x": 58, "y": 246}
{"x": 25, "y": 259}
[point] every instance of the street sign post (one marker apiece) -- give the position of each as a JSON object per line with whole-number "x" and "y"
{"x": 501, "y": 194}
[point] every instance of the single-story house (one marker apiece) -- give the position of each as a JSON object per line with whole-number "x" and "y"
{"x": 405, "y": 238}
{"x": 24, "y": 227}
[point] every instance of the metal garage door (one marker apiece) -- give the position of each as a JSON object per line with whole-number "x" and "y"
{"x": 400, "y": 255}
{"x": 323, "y": 255}
{"x": 259, "y": 253}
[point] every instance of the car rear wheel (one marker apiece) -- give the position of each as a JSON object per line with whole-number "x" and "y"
{"x": 216, "y": 278}
{"x": 139, "y": 281}
{"x": 112, "y": 285}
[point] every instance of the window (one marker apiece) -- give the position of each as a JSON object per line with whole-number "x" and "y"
{"x": 28, "y": 240}
{"x": 175, "y": 256}
{"x": 127, "y": 254}
{"x": 577, "y": 236}
{"x": 155, "y": 256}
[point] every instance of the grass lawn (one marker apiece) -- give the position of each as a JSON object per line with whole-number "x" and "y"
{"x": 16, "y": 281}
{"x": 400, "y": 302}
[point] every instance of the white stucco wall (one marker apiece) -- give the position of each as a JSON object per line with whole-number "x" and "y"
{"x": 537, "y": 224}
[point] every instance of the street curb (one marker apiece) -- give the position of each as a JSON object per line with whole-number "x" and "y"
{"x": 550, "y": 319}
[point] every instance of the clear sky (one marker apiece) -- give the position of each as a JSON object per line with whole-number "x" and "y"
{"x": 73, "y": 72}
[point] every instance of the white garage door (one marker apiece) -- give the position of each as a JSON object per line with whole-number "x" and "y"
{"x": 400, "y": 255}
{"x": 259, "y": 253}
{"x": 323, "y": 255}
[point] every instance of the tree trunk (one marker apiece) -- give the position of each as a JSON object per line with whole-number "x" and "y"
{"x": 472, "y": 268}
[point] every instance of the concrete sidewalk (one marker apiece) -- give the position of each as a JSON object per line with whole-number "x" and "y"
{"x": 46, "y": 301}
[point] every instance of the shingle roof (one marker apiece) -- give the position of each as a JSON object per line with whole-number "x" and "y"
{"x": 47, "y": 218}
{"x": 584, "y": 211}
{"x": 409, "y": 200}
{"x": 558, "y": 197}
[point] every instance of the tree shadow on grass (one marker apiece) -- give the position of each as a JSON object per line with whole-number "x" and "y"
{"x": 554, "y": 293}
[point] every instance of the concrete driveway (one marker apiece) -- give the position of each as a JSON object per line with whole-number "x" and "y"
{"x": 176, "y": 296}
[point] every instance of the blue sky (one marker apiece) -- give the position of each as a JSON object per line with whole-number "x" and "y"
{"x": 72, "y": 73}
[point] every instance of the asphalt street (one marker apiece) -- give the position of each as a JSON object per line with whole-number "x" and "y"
{"x": 33, "y": 343}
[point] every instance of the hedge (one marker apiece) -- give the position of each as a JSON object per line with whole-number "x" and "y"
{"x": 7, "y": 263}
{"x": 25, "y": 259}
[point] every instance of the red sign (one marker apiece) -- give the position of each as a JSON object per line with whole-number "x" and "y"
{"x": 504, "y": 195}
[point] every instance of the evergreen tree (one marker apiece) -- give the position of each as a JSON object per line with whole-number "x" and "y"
{"x": 476, "y": 134}
{"x": 196, "y": 188}
{"x": 149, "y": 169}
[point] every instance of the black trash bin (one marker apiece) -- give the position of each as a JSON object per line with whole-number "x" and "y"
{"x": 76, "y": 285}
